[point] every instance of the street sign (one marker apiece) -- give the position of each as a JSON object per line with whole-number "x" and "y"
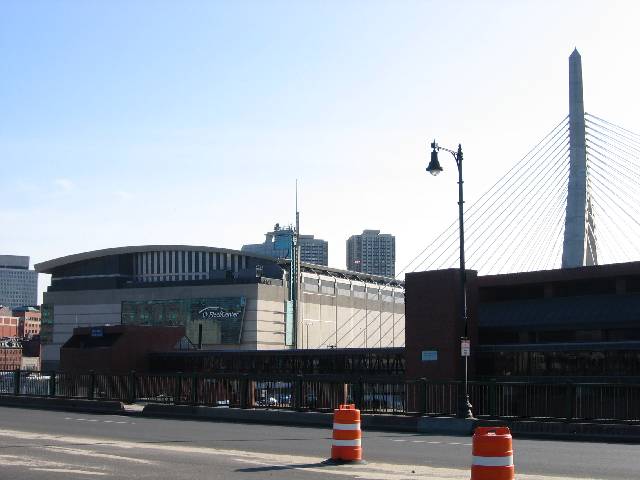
{"x": 96, "y": 332}
{"x": 465, "y": 347}
{"x": 429, "y": 355}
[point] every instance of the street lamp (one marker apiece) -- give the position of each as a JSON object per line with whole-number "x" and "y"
{"x": 434, "y": 168}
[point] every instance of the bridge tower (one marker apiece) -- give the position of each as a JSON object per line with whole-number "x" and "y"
{"x": 579, "y": 246}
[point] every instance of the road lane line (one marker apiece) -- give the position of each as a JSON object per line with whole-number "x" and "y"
{"x": 33, "y": 463}
{"x": 68, "y": 470}
{"x": 95, "y": 454}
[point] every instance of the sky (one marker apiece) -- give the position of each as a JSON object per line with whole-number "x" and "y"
{"x": 162, "y": 122}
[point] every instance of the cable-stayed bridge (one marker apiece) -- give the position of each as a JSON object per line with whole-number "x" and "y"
{"x": 572, "y": 200}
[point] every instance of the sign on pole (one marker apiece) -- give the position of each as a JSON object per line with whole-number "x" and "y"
{"x": 465, "y": 347}
{"x": 429, "y": 355}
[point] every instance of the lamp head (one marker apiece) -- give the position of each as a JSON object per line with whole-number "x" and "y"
{"x": 434, "y": 167}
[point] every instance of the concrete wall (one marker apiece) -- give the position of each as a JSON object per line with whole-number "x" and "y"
{"x": 370, "y": 319}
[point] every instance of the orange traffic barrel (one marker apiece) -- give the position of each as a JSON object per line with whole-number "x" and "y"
{"x": 492, "y": 454}
{"x": 347, "y": 436}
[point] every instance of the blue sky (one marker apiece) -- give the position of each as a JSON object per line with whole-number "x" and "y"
{"x": 139, "y": 122}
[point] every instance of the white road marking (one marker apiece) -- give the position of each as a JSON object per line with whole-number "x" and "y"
{"x": 434, "y": 443}
{"x": 67, "y": 470}
{"x": 418, "y": 441}
{"x": 96, "y": 420}
{"x": 454, "y": 443}
{"x": 398, "y": 440}
{"x": 43, "y": 465}
{"x": 94, "y": 454}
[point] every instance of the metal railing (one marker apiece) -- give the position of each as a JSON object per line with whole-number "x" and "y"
{"x": 570, "y": 401}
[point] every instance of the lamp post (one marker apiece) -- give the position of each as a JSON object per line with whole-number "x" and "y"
{"x": 434, "y": 168}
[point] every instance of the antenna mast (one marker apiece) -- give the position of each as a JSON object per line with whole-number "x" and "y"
{"x": 291, "y": 321}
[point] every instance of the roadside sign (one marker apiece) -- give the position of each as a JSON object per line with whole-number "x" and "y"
{"x": 96, "y": 332}
{"x": 465, "y": 347}
{"x": 429, "y": 355}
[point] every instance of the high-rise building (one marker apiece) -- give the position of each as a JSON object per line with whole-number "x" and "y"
{"x": 18, "y": 284}
{"x": 372, "y": 252}
{"x": 277, "y": 244}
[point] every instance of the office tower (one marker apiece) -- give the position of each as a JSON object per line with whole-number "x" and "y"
{"x": 372, "y": 252}
{"x": 18, "y": 284}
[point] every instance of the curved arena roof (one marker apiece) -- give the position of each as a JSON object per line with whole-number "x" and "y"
{"x": 50, "y": 265}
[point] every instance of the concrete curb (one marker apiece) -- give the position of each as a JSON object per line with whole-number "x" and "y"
{"x": 225, "y": 414}
{"x": 400, "y": 423}
{"x": 551, "y": 430}
{"x": 65, "y": 404}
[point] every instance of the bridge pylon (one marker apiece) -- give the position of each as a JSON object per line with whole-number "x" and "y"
{"x": 579, "y": 246}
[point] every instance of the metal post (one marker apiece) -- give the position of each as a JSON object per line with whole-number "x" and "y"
{"x": 422, "y": 401}
{"x": 16, "y": 382}
{"x": 92, "y": 385}
{"x": 465, "y": 406}
{"x": 52, "y": 384}
{"x": 335, "y": 291}
{"x": 366, "y": 315}
{"x": 194, "y": 389}
{"x": 298, "y": 402}
{"x": 359, "y": 394}
{"x": 132, "y": 387}
{"x": 569, "y": 396}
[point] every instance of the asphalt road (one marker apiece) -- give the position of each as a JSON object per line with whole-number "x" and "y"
{"x": 37, "y": 444}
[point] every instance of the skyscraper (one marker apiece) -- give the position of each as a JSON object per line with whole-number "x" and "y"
{"x": 18, "y": 284}
{"x": 277, "y": 244}
{"x": 372, "y": 252}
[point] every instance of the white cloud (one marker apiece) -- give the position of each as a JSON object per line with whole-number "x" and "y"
{"x": 64, "y": 184}
{"x": 122, "y": 195}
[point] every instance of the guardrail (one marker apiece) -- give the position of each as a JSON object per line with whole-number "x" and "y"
{"x": 618, "y": 402}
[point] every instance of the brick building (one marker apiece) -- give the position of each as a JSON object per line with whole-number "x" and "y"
{"x": 10, "y": 356}
{"x": 8, "y": 323}
{"x": 28, "y": 321}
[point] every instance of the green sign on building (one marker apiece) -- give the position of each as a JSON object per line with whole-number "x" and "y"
{"x": 221, "y": 318}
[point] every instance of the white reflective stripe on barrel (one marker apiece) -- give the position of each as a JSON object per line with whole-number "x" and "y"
{"x": 493, "y": 461}
{"x": 347, "y": 443}
{"x": 346, "y": 426}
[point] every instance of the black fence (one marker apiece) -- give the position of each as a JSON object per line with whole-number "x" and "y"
{"x": 618, "y": 402}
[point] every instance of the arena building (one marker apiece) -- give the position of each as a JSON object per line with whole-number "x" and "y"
{"x": 226, "y": 300}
